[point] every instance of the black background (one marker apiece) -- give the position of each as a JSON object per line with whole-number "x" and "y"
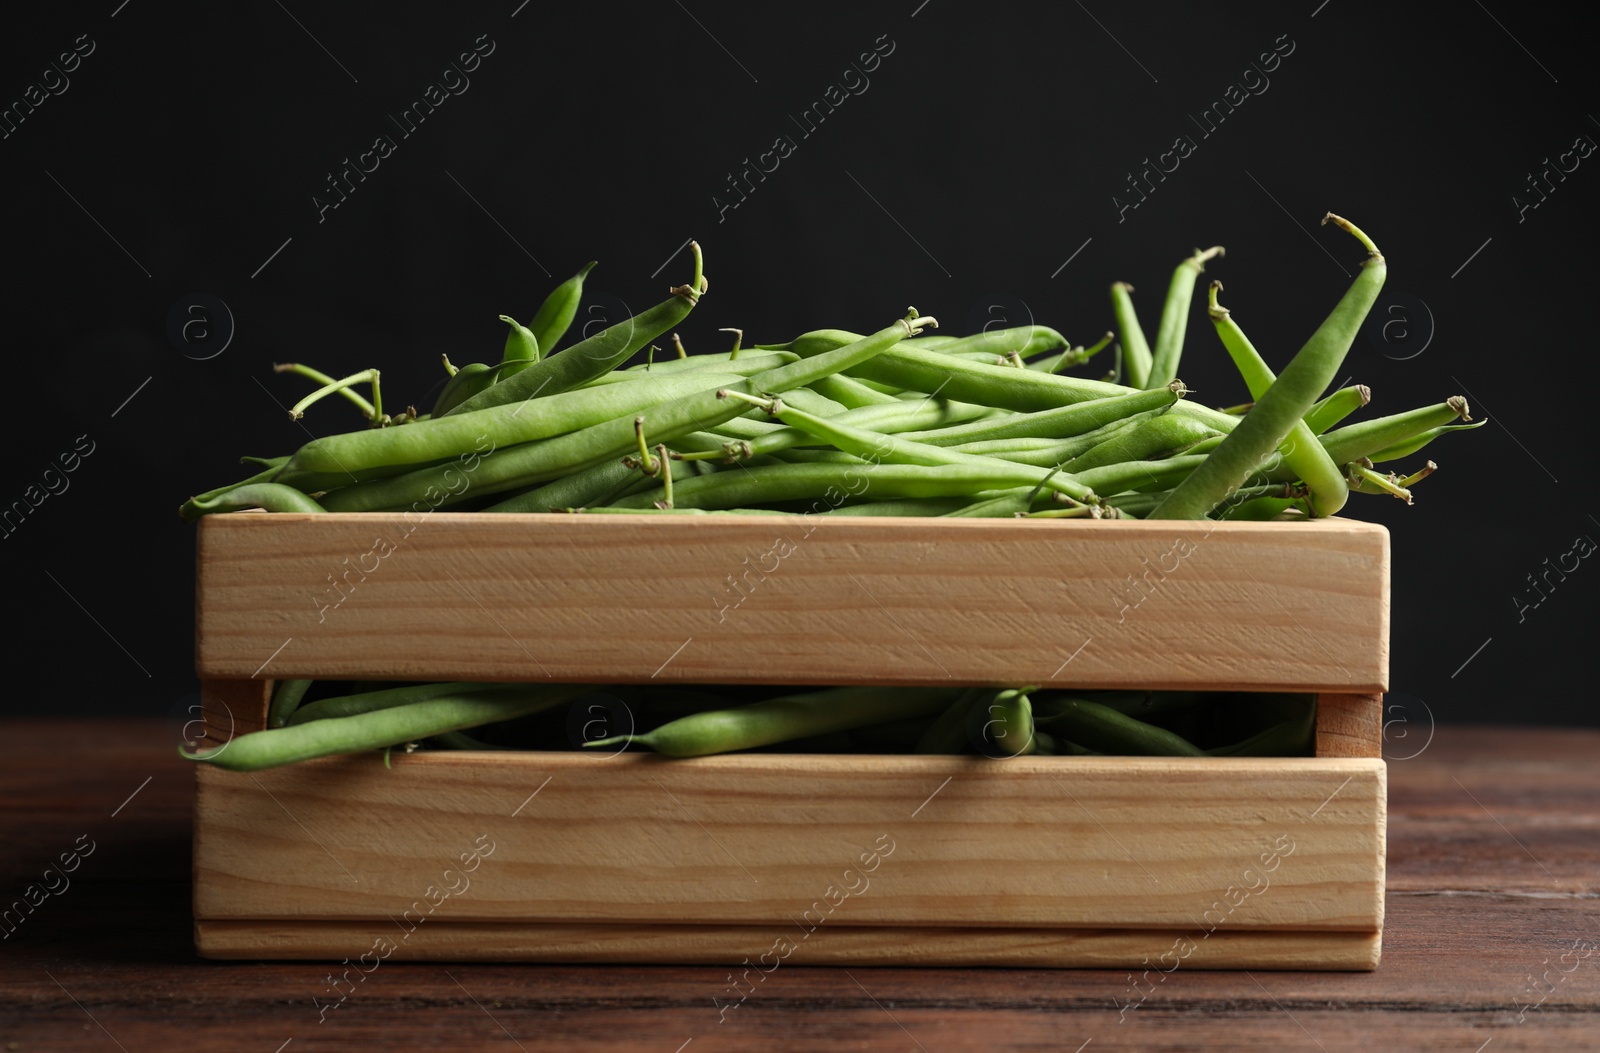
{"x": 986, "y": 151}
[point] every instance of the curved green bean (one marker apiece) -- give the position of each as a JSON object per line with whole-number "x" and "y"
{"x": 1303, "y": 454}
{"x": 269, "y": 497}
{"x": 1107, "y": 730}
{"x": 1256, "y": 438}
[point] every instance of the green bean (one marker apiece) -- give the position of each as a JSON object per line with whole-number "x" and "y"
{"x": 948, "y": 733}
{"x": 1355, "y": 441}
{"x": 596, "y": 485}
{"x": 1051, "y": 452}
{"x": 1159, "y": 437}
{"x": 863, "y": 443}
{"x": 1303, "y": 454}
{"x": 1418, "y": 441}
{"x": 263, "y": 463}
{"x": 1164, "y": 474}
{"x": 274, "y": 747}
{"x": 556, "y": 313}
{"x": 834, "y": 483}
{"x": 1026, "y": 340}
{"x": 466, "y": 382}
{"x": 1106, "y": 730}
{"x": 191, "y": 509}
{"x": 536, "y": 462}
{"x": 904, "y": 506}
{"x": 999, "y": 386}
{"x": 747, "y": 366}
{"x": 1175, "y": 318}
{"x": 1258, "y": 509}
{"x": 852, "y": 393}
{"x": 269, "y": 497}
{"x": 1248, "y": 502}
{"x": 895, "y": 736}
{"x": 1059, "y": 423}
{"x": 435, "y": 441}
{"x": 788, "y": 717}
{"x": 521, "y": 351}
{"x": 389, "y": 697}
{"x": 1288, "y": 738}
{"x": 285, "y": 700}
{"x": 893, "y": 416}
{"x": 1136, "y": 357}
{"x": 1269, "y": 422}
{"x": 596, "y": 356}
{"x": 1010, "y": 713}
{"x": 1336, "y": 407}
{"x": 1075, "y": 356}
{"x": 816, "y": 455}
{"x": 1001, "y": 506}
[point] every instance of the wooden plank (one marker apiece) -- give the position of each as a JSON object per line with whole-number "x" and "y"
{"x": 1092, "y": 842}
{"x": 1349, "y": 725}
{"x": 846, "y": 945}
{"x": 720, "y": 599}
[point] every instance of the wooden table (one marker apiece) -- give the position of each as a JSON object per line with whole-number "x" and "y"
{"x": 1494, "y": 875}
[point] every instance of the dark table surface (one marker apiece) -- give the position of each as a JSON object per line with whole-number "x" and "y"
{"x": 1492, "y": 940}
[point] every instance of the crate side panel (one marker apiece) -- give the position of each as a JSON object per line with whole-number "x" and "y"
{"x": 1112, "y": 842}
{"x": 795, "y": 599}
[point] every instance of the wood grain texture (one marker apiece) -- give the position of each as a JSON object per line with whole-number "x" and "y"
{"x": 1260, "y": 843}
{"x": 229, "y": 708}
{"x": 720, "y": 599}
{"x": 1349, "y": 725}
{"x": 1469, "y": 919}
{"x": 729, "y": 945}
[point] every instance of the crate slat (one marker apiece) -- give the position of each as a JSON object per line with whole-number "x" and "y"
{"x": 795, "y": 599}
{"x": 765, "y": 839}
{"x": 732, "y": 945}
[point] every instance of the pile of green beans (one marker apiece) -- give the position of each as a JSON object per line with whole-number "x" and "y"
{"x": 696, "y": 721}
{"x": 901, "y": 421}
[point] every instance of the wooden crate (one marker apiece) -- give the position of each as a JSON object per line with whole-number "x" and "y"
{"x": 813, "y": 859}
